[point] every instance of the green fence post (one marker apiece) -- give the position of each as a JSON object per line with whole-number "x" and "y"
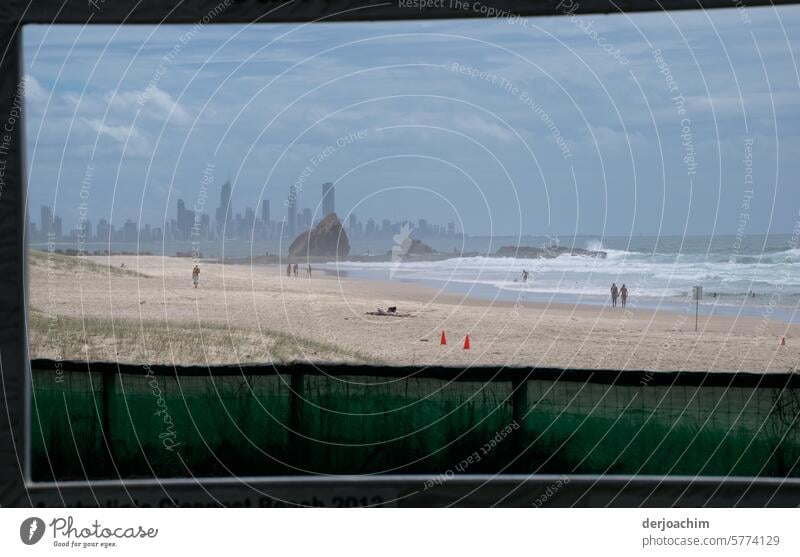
{"x": 519, "y": 405}
{"x": 108, "y": 391}
{"x": 295, "y": 416}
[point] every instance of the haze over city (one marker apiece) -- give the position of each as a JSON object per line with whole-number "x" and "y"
{"x": 194, "y": 224}
{"x": 501, "y": 128}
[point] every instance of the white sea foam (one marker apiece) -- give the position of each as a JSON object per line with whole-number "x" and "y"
{"x": 656, "y": 275}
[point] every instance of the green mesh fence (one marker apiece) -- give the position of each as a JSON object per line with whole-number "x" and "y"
{"x": 134, "y": 422}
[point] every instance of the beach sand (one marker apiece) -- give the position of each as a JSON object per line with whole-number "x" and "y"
{"x": 149, "y": 312}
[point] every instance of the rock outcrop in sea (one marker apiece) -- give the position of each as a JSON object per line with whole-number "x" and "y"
{"x": 327, "y": 239}
{"x": 410, "y": 248}
{"x": 530, "y": 252}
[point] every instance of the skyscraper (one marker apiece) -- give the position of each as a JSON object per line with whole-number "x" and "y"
{"x": 129, "y": 231}
{"x": 57, "y": 227}
{"x": 291, "y": 217}
{"x": 103, "y": 231}
{"x": 225, "y": 211}
{"x": 181, "y": 219}
{"x": 205, "y": 226}
{"x": 250, "y": 219}
{"x": 265, "y": 211}
{"x": 47, "y": 221}
{"x": 328, "y": 199}
{"x": 85, "y": 229}
{"x": 186, "y": 221}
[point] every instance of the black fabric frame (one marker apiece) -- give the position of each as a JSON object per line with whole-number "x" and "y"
{"x": 15, "y": 487}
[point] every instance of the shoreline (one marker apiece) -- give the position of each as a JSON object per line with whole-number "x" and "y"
{"x": 149, "y": 312}
{"x": 677, "y": 304}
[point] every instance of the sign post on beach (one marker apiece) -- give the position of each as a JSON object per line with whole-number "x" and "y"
{"x": 697, "y": 295}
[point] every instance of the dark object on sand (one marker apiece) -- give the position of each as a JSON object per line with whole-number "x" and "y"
{"x": 390, "y": 312}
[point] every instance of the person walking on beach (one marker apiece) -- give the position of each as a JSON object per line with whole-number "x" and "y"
{"x": 295, "y": 270}
{"x": 196, "y": 275}
{"x": 309, "y": 270}
{"x": 289, "y": 270}
{"x": 614, "y": 294}
{"x": 623, "y": 294}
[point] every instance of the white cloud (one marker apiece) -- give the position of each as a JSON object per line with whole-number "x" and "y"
{"x": 117, "y": 133}
{"x": 152, "y": 101}
{"x": 130, "y": 137}
{"x": 35, "y": 93}
{"x": 485, "y": 128}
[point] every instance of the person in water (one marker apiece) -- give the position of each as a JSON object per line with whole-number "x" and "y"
{"x": 196, "y": 275}
{"x": 614, "y": 294}
{"x": 524, "y": 275}
{"x": 623, "y": 294}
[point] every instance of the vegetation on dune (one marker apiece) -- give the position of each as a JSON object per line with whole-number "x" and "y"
{"x": 182, "y": 342}
{"x": 73, "y": 264}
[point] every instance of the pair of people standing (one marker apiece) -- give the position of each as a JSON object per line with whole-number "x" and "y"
{"x": 294, "y": 270}
{"x": 621, "y": 293}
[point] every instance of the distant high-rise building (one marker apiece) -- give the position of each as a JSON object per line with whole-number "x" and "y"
{"x": 205, "y": 226}
{"x": 129, "y": 231}
{"x": 225, "y": 212}
{"x": 250, "y": 219}
{"x": 186, "y": 221}
{"x": 85, "y": 230}
{"x": 352, "y": 222}
{"x": 103, "y": 231}
{"x": 291, "y": 217}
{"x": 307, "y": 219}
{"x": 183, "y": 226}
{"x": 328, "y": 199}
{"x": 265, "y": 211}
{"x": 47, "y": 220}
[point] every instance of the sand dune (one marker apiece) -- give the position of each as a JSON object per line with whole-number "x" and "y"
{"x": 149, "y": 312}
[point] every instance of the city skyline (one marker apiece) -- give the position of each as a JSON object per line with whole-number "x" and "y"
{"x": 191, "y": 225}
{"x": 461, "y": 120}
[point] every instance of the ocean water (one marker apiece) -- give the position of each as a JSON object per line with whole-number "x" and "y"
{"x": 748, "y": 275}
{"x": 752, "y": 275}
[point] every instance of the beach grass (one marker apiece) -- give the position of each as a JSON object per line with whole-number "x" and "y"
{"x": 173, "y": 341}
{"x": 71, "y": 264}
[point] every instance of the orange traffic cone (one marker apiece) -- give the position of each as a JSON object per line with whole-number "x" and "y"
{"x": 443, "y": 340}
{"x": 466, "y": 342}
{"x": 783, "y": 341}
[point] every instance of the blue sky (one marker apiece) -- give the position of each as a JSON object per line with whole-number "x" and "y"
{"x": 572, "y": 128}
